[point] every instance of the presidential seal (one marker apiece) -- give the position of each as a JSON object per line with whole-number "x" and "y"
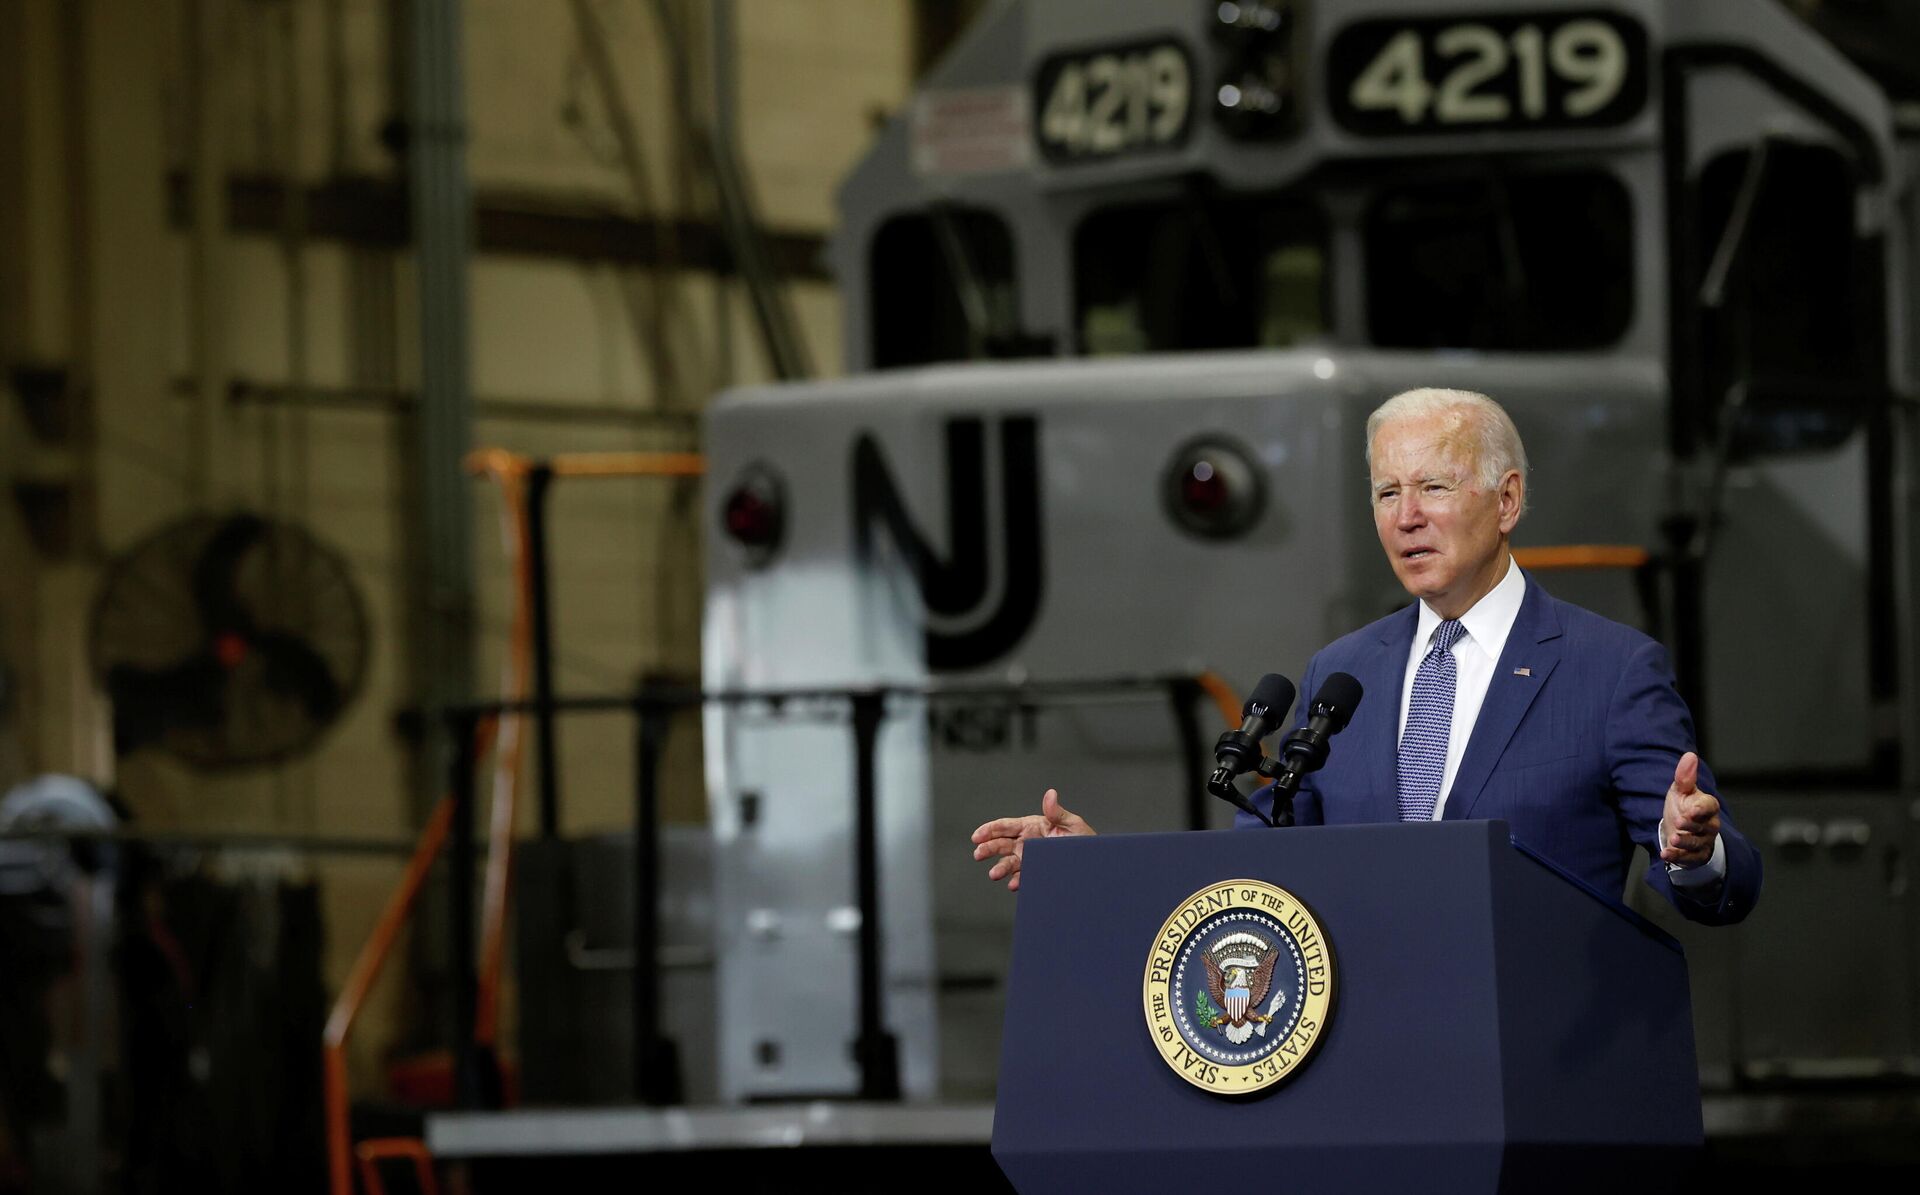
{"x": 1238, "y": 987}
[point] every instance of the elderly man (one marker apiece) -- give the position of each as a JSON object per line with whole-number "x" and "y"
{"x": 1504, "y": 702}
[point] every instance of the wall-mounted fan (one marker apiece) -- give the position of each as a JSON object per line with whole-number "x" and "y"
{"x": 228, "y": 641}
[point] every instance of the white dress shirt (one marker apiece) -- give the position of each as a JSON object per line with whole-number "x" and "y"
{"x": 1475, "y": 654}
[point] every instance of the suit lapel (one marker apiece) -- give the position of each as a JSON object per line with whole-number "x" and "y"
{"x": 1384, "y": 676}
{"x": 1533, "y": 647}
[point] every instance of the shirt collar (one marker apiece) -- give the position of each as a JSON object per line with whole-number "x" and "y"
{"x": 1490, "y": 620}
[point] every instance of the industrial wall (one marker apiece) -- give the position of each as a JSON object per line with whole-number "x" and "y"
{"x": 206, "y": 304}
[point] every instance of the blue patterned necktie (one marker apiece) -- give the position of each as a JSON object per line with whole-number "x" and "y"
{"x": 1423, "y": 745}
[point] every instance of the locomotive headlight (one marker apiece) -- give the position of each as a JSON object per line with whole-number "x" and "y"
{"x": 755, "y": 513}
{"x": 1212, "y": 489}
{"x": 1254, "y": 88}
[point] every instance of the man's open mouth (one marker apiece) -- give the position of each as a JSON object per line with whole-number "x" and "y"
{"x": 1416, "y": 553}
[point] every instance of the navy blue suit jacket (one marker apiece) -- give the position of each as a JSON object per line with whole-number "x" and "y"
{"x": 1576, "y": 754}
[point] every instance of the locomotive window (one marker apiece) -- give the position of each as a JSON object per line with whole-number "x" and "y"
{"x": 1530, "y": 262}
{"x": 1797, "y": 315}
{"x": 942, "y": 288}
{"x": 1199, "y": 274}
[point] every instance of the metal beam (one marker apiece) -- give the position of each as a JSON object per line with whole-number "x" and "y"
{"x": 370, "y": 212}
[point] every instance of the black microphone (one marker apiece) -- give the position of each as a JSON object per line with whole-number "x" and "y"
{"x": 1238, "y": 751}
{"x": 1305, "y": 750}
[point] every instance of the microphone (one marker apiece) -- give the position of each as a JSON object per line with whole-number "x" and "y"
{"x": 1305, "y": 750}
{"x": 1238, "y": 751}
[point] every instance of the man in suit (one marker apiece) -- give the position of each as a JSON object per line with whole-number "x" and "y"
{"x": 1488, "y": 698}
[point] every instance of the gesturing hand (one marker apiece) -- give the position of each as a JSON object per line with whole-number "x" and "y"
{"x": 1006, "y": 837}
{"x": 1691, "y": 821}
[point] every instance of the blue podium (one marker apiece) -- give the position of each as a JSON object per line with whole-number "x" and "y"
{"x": 1494, "y": 1024}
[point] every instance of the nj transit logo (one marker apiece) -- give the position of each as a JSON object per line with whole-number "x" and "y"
{"x": 959, "y": 635}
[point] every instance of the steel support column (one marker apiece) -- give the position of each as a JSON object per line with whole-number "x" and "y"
{"x": 442, "y": 213}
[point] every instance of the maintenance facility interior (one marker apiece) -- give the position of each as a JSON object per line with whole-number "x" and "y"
{"x": 530, "y": 531}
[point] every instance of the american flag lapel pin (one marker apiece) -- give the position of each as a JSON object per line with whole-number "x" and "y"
{"x": 1523, "y": 672}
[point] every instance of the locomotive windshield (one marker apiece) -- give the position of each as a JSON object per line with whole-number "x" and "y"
{"x": 1200, "y": 274}
{"x": 1540, "y": 262}
{"x": 1502, "y": 262}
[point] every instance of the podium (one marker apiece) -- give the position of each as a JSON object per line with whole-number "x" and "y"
{"x": 1495, "y": 1024}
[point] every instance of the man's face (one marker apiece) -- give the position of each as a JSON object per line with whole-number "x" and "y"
{"x": 1444, "y": 533}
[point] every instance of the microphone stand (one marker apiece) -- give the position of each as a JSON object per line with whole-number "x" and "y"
{"x": 1285, "y": 771}
{"x": 1303, "y": 751}
{"x": 1286, "y": 782}
{"x": 1220, "y": 784}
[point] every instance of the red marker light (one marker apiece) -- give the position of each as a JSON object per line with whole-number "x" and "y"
{"x": 1204, "y": 491}
{"x": 754, "y": 513}
{"x": 1212, "y": 489}
{"x": 751, "y": 519}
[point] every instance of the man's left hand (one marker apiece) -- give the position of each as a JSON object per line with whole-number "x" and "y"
{"x": 1692, "y": 818}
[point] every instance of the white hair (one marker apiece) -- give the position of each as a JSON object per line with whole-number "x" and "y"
{"x": 1493, "y": 440}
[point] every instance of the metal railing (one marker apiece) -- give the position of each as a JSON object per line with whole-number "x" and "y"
{"x": 524, "y": 483}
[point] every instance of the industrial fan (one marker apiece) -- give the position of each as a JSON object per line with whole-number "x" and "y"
{"x": 228, "y": 641}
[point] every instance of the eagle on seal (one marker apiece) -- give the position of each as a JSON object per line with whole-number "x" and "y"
{"x": 1239, "y": 972}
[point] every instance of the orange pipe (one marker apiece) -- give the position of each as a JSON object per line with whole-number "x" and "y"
{"x": 1572, "y": 556}
{"x": 498, "y": 463}
{"x": 511, "y": 470}
{"x": 628, "y": 464}
{"x": 1223, "y": 696}
{"x": 501, "y": 464}
{"x": 496, "y": 892}
{"x": 382, "y": 1149}
{"x": 366, "y": 969}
